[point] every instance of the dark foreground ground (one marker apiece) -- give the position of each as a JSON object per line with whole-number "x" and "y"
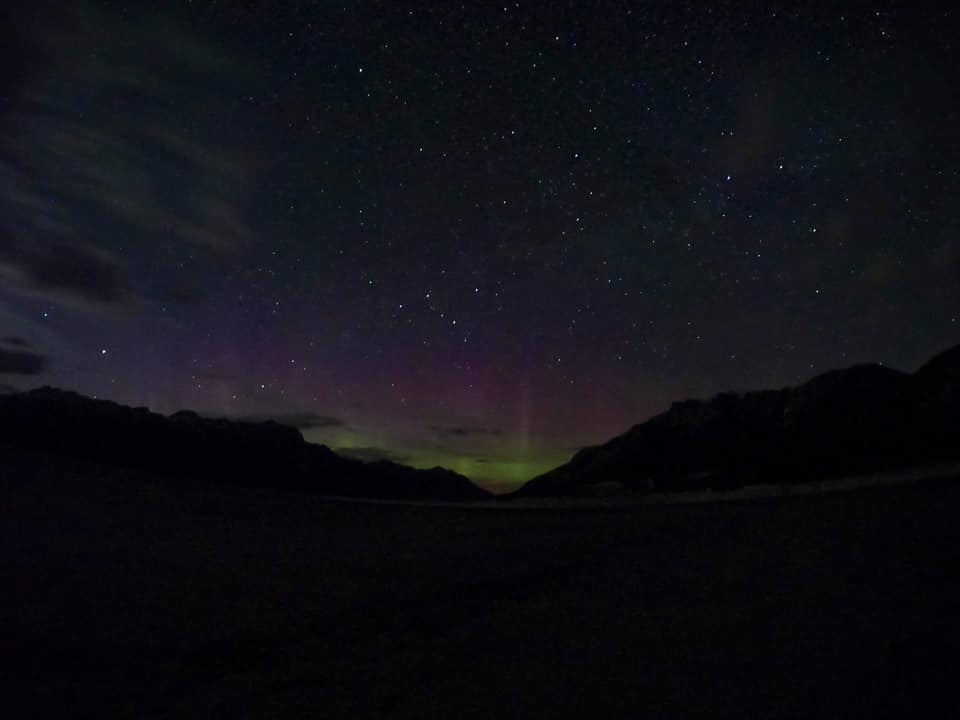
{"x": 121, "y": 599}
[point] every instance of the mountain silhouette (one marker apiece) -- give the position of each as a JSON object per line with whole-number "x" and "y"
{"x": 866, "y": 418}
{"x": 191, "y": 448}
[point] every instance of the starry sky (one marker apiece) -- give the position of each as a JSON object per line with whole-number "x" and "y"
{"x": 478, "y": 235}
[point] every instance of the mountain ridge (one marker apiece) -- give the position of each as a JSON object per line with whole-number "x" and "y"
{"x": 863, "y": 418}
{"x": 189, "y": 447}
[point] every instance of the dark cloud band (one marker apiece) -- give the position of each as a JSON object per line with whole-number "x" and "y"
{"x": 21, "y": 362}
{"x": 371, "y": 454}
{"x": 464, "y": 431}
{"x": 301, "y": 421}
{"x": 68, "y": 270}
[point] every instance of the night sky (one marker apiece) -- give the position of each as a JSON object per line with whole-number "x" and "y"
{"x": 480, "y": 236}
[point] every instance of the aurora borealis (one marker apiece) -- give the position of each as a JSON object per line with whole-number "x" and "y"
{"x": 479, "y": 236}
